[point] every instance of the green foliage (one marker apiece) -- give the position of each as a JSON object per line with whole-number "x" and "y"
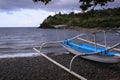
{"x": 98, "y": 18}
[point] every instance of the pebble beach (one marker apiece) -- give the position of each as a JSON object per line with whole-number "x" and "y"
{"x": 38, "y": 68}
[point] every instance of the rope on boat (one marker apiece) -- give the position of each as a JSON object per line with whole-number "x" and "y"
{"x": 61, "y": 66}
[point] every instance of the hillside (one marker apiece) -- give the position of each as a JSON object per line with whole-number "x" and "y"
{"x": 109, "y": 18}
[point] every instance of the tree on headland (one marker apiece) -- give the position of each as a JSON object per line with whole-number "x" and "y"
{"x": 85, "y": 4}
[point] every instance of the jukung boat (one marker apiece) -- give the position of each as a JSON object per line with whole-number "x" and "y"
{"x": 86, "y": 49}
{"x": 92, "y": 50}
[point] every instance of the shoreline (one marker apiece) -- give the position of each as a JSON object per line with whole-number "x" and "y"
{"x": 38, "y": 68}
{"x": 86, "y": 29}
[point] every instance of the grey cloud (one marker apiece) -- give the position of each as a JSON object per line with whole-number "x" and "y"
{"x": 62, "y": 5}
{"x": 54, "y": 5}
{"x": 9, "y": 5}
{"x": 116, "y": 3}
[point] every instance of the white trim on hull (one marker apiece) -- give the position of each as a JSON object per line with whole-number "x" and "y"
{"x": 96, "y": 57}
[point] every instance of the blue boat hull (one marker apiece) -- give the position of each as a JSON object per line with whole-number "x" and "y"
{"x": 109, "y": 58}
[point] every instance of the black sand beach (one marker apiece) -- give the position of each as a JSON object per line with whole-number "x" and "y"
{"x": 38, "y": 68}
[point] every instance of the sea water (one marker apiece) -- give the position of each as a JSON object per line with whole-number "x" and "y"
{"x": 19, "y": 42}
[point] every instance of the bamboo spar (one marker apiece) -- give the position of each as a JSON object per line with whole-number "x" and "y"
{"x": 61, "y": 66}
{"x": 116, "y": 49}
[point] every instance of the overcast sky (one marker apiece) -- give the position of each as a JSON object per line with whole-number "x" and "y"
{"x": 26, "y": 13}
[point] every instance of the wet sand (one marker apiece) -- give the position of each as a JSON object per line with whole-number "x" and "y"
{"x": 38, "y": 68}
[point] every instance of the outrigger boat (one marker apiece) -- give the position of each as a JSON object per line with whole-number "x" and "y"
{"x": 87, "y": 49}
{"x": 92, "y": 50}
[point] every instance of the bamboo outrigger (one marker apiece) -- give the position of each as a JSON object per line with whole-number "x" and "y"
{"x": 88, "y": 50}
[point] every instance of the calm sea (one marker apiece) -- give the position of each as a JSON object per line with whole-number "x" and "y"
{"x": 18, "y": 42}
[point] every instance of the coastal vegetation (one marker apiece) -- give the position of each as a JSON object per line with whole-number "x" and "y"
{"x": 107, "y": 18}
{"x": 89, "y": 17}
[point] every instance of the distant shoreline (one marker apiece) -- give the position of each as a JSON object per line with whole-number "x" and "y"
{"x": 79, "y": 28}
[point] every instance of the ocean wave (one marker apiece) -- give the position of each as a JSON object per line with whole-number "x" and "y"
{"x": 19, "y": 55}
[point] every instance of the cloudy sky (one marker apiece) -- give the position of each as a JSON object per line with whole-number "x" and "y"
{"x": 26, "y": 13}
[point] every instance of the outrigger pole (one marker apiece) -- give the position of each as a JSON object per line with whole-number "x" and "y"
{"x": 100, "y": 44}
{"x": 69, "y": 69}
{"x": 61, "y": 66}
